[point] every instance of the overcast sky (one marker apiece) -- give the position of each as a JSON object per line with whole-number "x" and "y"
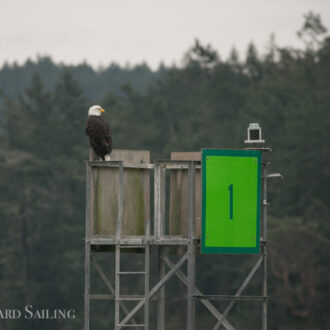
{"x": 105, "y": 31}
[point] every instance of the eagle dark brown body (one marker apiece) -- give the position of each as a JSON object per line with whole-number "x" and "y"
{"x": 99, "y": 134}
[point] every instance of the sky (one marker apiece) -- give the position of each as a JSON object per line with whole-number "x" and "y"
{"x": 134, "y": 31}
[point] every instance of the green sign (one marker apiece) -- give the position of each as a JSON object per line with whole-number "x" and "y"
{"x": 231, "y": 201}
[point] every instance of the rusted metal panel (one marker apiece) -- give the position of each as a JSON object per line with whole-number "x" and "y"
{"x": 179, "y": 193}
{"x": 136, "y": 195}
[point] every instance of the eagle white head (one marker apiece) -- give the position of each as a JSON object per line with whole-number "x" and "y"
{"x": 95, "y": 110}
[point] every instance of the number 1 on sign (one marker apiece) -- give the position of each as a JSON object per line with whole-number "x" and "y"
{"x": 231, "y": 188}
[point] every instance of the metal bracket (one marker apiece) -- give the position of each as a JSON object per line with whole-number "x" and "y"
{"x": 274, "y": 175}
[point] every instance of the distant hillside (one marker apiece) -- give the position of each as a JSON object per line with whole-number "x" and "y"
{"x": 14, "y": 78}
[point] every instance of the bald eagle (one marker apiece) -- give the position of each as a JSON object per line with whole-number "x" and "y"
{"x": 98, "y": 131}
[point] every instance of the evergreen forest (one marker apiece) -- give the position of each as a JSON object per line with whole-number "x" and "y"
{"x": 206, "y": 101}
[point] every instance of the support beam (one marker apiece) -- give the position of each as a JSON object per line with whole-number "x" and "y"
{"x": 87, "y": 248}
{"x": 205, "y": 302}
{"x": 120, "y": 203}
{"x": 153, "y": 291}
{"x": 238, "y": 293}
{"x": 159, "y": 208}
{"x": 161, "y": 293}
{"x": 117, "y": 286}
{"x": 146, "y": 286}
{"x": 159, "y": 225}
{"x": 87, "y": 285}
{"x": 109, "y": 286}
{"x": 191, "y": 287}
{"x": 191, "y": 249}
{"x": 264, "y": 246}
{"x": 230, "y": 297}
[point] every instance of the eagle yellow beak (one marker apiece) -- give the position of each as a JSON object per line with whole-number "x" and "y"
{"x": 102, "y": 110}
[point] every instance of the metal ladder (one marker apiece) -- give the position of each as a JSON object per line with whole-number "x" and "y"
{"x": 138, "y": 298}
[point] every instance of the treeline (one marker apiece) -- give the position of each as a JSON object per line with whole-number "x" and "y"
{"x": 207, "y": 102}
{"x": 95, "y": 83}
